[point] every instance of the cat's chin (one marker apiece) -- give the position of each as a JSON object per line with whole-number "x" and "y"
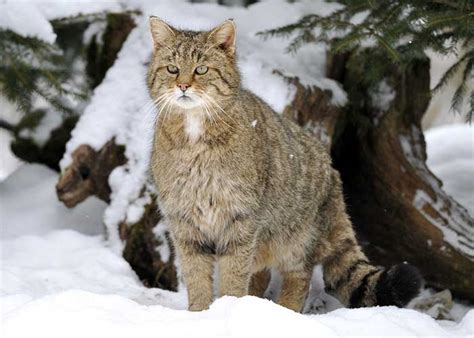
{"x": 187, "y": 103}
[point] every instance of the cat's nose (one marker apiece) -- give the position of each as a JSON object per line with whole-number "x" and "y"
{"x": 183, "y": 86}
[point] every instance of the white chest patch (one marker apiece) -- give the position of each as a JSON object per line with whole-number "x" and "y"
{"x": 193, "y": 126}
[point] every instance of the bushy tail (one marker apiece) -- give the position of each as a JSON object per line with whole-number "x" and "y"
{"x": 347, "y": 271}
{"x": 359, "y": 284}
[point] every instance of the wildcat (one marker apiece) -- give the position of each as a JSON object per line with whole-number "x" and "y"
{"x": 247, "y": 189}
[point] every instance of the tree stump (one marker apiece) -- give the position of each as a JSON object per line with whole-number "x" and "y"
{"x": 396, "y": 203}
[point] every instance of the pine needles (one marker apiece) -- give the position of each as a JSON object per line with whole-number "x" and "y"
{"x": 29, "y": 67}
{"x": 403, "y": 30}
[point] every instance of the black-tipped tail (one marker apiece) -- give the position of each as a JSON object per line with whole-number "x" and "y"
{"x": 398, "y": 285}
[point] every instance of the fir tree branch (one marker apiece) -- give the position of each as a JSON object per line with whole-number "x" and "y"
{"x": 402, "y": 30}
{"x": 7, "y": 126}
{"x": 452, "y": 71}
{"x": 391, "y": 51}
{"x": 460, "y": 92}
{"x": 449, "y": 18}
{"x": 455, "y": 4}
{"x": 470, "y": 112}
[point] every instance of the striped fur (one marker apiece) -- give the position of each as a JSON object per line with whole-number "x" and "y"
{"x": 348, "y": 273}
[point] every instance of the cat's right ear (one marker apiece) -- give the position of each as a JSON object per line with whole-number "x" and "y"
{"x": 162, "y": 33}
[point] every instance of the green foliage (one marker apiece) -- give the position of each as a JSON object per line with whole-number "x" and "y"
{"x": 28, "y": 67}
{"x": 30, "y": 121}
{"x": 402, "y": 29}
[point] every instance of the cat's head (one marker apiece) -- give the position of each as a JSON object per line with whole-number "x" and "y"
{"x": 193, "y": 70}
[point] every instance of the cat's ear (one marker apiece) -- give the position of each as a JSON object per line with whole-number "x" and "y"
{"x": 161, "y": 32}
{"x": 224, "y": 36}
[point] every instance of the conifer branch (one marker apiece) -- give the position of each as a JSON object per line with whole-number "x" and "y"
{"x": 402, "y": 29}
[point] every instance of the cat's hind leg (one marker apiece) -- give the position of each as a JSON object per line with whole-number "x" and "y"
{"x": 294, "y": 289}
{"x": 259, "y": 283}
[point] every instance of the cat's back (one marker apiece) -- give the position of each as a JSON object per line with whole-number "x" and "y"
{"x": 280, "y": 131}
{"x": 297, "y": 165}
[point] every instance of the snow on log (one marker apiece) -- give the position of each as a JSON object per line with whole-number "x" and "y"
{"x": 312, "y": 109}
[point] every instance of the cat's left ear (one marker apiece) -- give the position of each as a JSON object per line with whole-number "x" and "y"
{"x": 224, "y": 36}
{"x": 162, "y": 33}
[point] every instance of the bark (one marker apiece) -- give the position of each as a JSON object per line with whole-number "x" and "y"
{"x": 396, "y": 203}
{"x": 100, "y": 57}
{"x": 89, "y": 173}
{"x": 141, "y": 251}
{"x": 312, "y": 109}
{"x": 49, "y": 153}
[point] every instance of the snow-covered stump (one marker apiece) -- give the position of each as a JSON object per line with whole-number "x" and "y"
{"x": 88, "y": 175}
{"x": 312, "y": 109}
{"x": 149, "y": 250}
{"x": 396, "y": 203}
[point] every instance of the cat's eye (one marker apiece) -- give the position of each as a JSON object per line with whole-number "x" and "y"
{"x": 201, "y": 70}
{"x": 172, "y": 69}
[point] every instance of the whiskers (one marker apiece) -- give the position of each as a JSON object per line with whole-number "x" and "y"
{"x": 213, "y": 110}
{"x": 208, "y": 106}
{"x": 163, "y": 106}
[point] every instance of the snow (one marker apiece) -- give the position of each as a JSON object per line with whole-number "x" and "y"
{"x": 82, "y": 314}
{"x": 26, "y": 20}
{"x": 439, "y": 110}
{"x": 450, "y": 151}
{"x": 108, "y": 315}
{"x": 381, "y": 98}
{"x": 453, "y": 222}
{"x": 450, "y": 156}
{"x": 452, "y": 233}
{"x": 47, "y": 249}
{"x": 31, "y": 18}
{"x": 160, "y": 231}
{"x": 66, "y": 281}
{"x": 8, "y": 161}
{"x": 319, "y": 130}
{"x": 29, "y": 205}
{"x": 58, "y": 279}
{"x": 51, "y": 120}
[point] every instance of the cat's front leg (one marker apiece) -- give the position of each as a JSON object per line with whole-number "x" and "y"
{"x": 235, "y": 268}
{"x": 197, "y": 268}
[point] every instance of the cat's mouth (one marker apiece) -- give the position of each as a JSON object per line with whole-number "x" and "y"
{"x": 185, "y": 98}
{"x": 187, "y": 101}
